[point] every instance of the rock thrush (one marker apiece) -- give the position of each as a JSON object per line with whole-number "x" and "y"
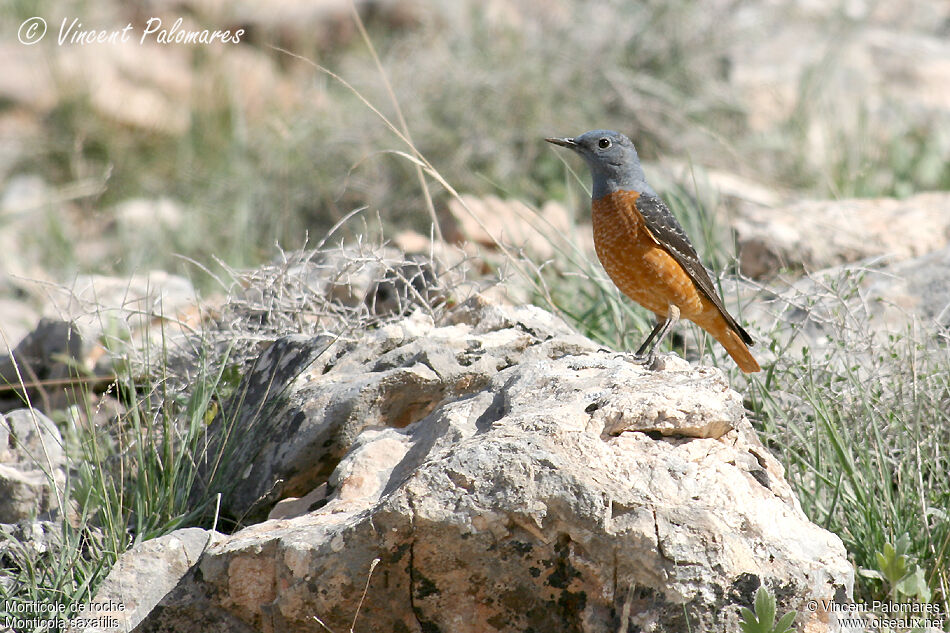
{"x": 645, "y": 251}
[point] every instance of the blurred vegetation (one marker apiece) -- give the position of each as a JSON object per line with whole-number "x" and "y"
{"x": 478, "y": 92}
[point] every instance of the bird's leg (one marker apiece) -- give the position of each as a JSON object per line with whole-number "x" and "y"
{"x": 644, "y": 356}
{"x": 647, "y": 351}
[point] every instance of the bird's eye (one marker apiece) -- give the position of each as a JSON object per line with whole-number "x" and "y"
{"x": 603, "y": 143}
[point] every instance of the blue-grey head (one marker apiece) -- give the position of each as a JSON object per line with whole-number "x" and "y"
{"x": 613, "y": 161}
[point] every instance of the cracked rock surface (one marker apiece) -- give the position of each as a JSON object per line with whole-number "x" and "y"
{"x": 508, "y": 476}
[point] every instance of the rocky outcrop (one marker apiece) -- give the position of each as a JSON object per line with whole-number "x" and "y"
{"x": 142, "y": 576}
{"x": 89, "y": 324}
{"x": 857, "y": 307}
{"x": 108, "y": 310}
{"x": 913, "y": 289}
{"x": 307, "y": 399}
{"x": 32, "y": 465}
{"x": 820, "y": 234}
{"x": 491, "y": 221}
{"x": 41, "y": 365}
{"x": 507, "y": 475}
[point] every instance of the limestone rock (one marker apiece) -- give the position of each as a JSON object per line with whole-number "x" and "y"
{"x": 677, "y": 402}
{"x": 138, "y": 216}
{"x": 32, "y": 464}
{"x": 109, "y": 312}
{"x": 857, "y": 305}
{"x": 47, "y": 354}
{"x": 143, "y": 575}
{"x": 327, "y": 392}
{"x": 821, "y": 234}
{"x": 490, "y": 220}
{"x": 26, "y": 493}
{"x": 18, "y": 319}
{"x": 145, "y": 85}
{"x": 914, "y": 288}
{"x": 27, "y": 437}
{"x": 508, "y": 475}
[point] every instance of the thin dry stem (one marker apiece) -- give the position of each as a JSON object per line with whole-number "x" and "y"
{"x": 402, "y": 120}
{"x": 369, "y": 577}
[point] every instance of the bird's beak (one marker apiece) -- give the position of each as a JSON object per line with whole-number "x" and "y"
{"x": 563, "y": 142}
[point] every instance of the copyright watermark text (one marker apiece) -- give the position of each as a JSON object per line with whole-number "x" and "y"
{"x": 73, "y": 33}
{"x": 879, "y": 615}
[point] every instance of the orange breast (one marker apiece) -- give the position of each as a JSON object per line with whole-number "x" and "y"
{"x": 637, "y": 264}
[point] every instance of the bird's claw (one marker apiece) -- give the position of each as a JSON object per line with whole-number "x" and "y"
{"x": 640, "y": 359}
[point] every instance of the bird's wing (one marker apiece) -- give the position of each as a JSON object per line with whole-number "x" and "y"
{"x": 670, "y": 235}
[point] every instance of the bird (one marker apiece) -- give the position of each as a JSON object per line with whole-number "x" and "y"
{"x": 646, "y": 252}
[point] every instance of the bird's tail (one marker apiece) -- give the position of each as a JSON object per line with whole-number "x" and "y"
{"x": 737, "y": 349}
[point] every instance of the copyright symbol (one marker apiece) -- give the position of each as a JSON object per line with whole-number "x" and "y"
{"x": 812, "y": 605}
{"x": 32, "y": 31}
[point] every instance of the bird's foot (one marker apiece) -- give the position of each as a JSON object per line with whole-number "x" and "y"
{"x": 650, "y": 360}
{"x": 646, "y": 360}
